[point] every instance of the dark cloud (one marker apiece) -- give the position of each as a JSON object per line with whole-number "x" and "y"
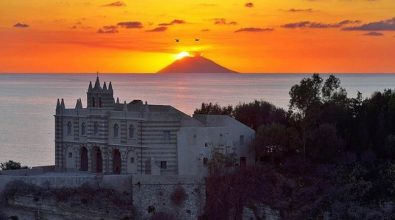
{"x": 383, "y": 25}
{"x": 253, "y": 29}
{"x": 21, "y": 25}
{"x": 223, "y": 21}
{"x": 130, "y": 24}
{"x": 309, "y": 24}
{"x": 295, "y": 10}
{"x": 173, "y": 22}
{"x": 158, "y": 29}
{"x": 115, "y": 4}
{"x": 249, "y": 5}
{"x": 111, "y": 29}
{"x": 374, "y": 34}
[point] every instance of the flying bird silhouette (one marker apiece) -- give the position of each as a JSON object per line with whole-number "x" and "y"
{"x": 177, "y": 40}
{"x": 197, "y": 39}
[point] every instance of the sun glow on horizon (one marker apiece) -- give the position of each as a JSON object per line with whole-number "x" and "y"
{"x": 182, "y": 55}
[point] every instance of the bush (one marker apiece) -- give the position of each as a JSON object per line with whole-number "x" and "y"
{"x": 11, "y": 165}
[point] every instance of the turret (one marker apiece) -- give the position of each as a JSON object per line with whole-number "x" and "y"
{"x": 97, "y": 84}
{"x": 58, "y": 107}
{"x": 90, "y": 86}
{"x": 110, "y": 88}
{"x": 100, "y": 97}
{"x": 62, "y": 105}
{"x": 78, "y": 105}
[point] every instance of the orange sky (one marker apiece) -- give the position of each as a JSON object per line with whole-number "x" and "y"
{"x": 265, "y": 36}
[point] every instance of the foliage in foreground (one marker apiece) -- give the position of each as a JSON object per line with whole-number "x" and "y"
{"x": 11, "y": 165}
{"x": 327, "y": 155}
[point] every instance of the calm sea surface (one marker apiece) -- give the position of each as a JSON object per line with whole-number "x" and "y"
{"x": 27, "y": 102}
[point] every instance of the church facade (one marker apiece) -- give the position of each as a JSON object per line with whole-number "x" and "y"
{"x": 110, "y": 137}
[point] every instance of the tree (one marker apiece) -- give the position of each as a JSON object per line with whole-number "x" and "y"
{"x": 214, "y": 109}
{"x": 305, "y": 94}
{"x": 257, "y": 113}
{"x": 326, "y": 144}
{"x": 270, "y": 141}
{"x": 11, "y": 165}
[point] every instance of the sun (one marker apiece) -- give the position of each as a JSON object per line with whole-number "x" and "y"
{"x": 182, "y": 55}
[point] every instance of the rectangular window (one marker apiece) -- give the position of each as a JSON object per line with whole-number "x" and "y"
{"x": 205, "y": 144}
{"x": 132, "y": 160}
{"x": 163, "y": 164}
{"x": 241, "y": 139}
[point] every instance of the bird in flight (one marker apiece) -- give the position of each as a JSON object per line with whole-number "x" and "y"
{"x": 197, "y": 39}
{"x": 177, "y": 40}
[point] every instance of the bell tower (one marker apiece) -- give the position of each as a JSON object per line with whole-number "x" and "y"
{"x": 100, "y": 97}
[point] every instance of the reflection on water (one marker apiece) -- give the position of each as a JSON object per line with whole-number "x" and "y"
{"x": 27, "y": 102}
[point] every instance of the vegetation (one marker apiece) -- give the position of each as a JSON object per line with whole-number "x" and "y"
{"x": 11, "y": 165}
{"x": 327, "y": 155}
{"x": 87, "y": 197}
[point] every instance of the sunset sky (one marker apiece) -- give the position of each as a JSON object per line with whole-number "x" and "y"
{"x": 261, "y": 36}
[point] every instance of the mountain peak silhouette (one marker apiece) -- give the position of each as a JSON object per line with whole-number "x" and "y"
{"x": 195, "y": 64}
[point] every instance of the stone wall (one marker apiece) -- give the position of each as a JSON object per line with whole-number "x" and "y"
{"x": 158, "y": 194}
{"x": 180, "y": 196}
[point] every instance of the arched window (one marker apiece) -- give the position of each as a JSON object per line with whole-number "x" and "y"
{"x": 83, "y": 128}
{"x": 100, "y": 102}
{"x": 69, "y": 127}
{"x": 93, "y": 102}
{"x": 131, "y": 131}
{"x": 116, "y": 129}
{"x": 96, "y": 127}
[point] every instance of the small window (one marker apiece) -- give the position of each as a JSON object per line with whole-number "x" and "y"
{"x": 166, "y": 135}
{"x": 220, "y": 135}
{"x": 163, "y": 164}
{"x": 83, "y": 128}
{"x": 132, "y": 160}
{"x": 205, "y": 161}
{"x": 70, "y": 155}
{"x": 241, "y": 139}
{"x": 116, "y": 130}
{"x": 69, "y": 127}
{"x": 131, "y": 131}
{"x": 205, "y": 144}
{"x": 96, "y": 128}
{"x": 194, "y": 135}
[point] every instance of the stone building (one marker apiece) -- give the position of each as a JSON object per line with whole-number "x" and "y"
{"x": 138, "y": 138}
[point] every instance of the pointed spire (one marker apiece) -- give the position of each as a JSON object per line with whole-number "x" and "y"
{"x": 97, "y": 83}
{"x": 78, "y": 105}
{"x": 110, "y": 88}
{"x": 62, "y": 104}
{"x": 125, "y": 107}
{"x": 58, "y": 104}
{"x": 118, "y": 100}
{"x": 105, "y": 86}
{"x": 90, "y": 86}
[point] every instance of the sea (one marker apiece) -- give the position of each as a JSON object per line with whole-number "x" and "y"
{"x": 28, "y": 101}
